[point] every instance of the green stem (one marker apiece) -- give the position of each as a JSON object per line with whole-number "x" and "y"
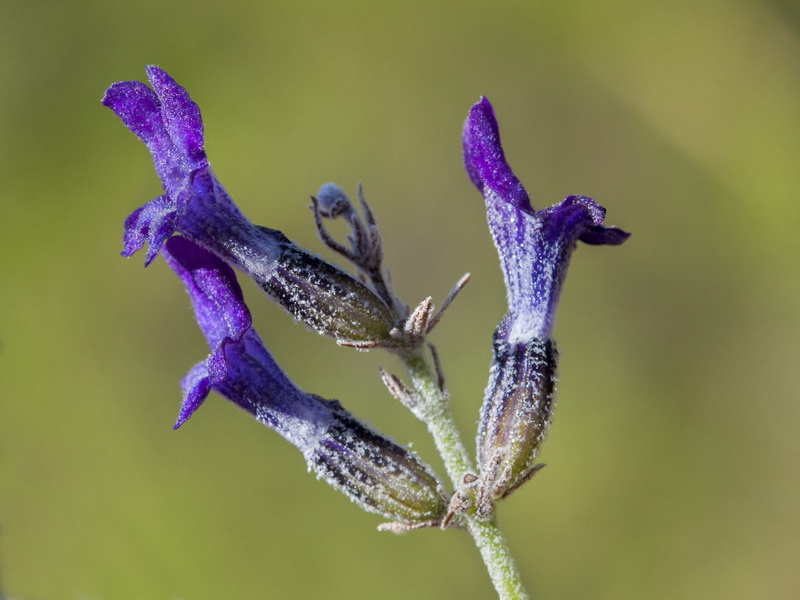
{"x": 497, "y": 557}
{"x": 486, "y": 533}
{"x": 439, "y": 419}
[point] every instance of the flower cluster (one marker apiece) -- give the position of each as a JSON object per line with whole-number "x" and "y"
{"x": 203, "y": 237}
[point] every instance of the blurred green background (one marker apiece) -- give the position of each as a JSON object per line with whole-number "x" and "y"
{"x": 673, "y": 461}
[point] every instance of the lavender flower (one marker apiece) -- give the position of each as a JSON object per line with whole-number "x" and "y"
{"x": 196, "y": 205}
{"x": 534, "y": 249}
{"x": 373, "y": 471}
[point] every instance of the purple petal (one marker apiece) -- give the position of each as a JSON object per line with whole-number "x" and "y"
{"x": 138, "y": 108}
{"x": 181, "y": 116}
{"x": 152, "y": 223}
{"x": 239, "y": 366}
{"x": 216, "y": 372}
{"x": 485, "y": 161}
{"x": 535, "y": 251}
{"x": 589, "y": 217}
{"x": 167, "y": 121}
{"x": 196, "y": 386}
{"x": 604, "y": 236}
{"x": 213, "y": 289}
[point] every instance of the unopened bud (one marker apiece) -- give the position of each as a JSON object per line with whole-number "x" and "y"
{"x": 515, "y": 416}
{"x": 333, "y": 201}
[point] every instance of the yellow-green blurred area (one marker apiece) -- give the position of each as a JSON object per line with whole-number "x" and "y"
{"x": 674, "y": 460}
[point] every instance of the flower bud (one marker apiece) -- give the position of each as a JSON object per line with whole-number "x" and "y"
{"x": 333, "y": 201}
{"x": 515, "y": 416}
{"x": 365, "y": 249}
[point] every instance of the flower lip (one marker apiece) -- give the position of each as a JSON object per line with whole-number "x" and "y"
{"x": 220, "y": 311}
{"x": 239, "y": 366}
{"x": 167, "y": 120}
{"x": 490, "y": 172}
{"x": 485, "y": 160}
{"x": 169, "y": 123}
{"x": 182, "y": 119}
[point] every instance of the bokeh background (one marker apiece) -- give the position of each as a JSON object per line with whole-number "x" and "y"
{"x": 673, "y": 461}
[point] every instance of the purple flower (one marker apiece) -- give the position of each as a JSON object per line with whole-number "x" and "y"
{"x": 373, "y": 471}
{"x": 196, "y": 205}
{"x": 534, "y": 248}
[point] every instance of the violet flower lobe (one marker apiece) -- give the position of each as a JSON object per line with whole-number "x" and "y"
{"x": 196, "y": 205}
{"x": 373, "y": 471}
{"x": 534, "y": 249}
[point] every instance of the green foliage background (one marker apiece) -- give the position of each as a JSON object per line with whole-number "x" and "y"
{"x": 673, "y": 461}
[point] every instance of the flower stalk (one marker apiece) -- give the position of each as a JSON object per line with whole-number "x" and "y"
{"x": 497, "y": 557}
{"x": 436, "y": 414}
{"x": 487, "y": 535}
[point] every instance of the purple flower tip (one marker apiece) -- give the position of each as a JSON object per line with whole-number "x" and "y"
{"x": 221, "y": 314}
{"x": 484, "y": 158}
{"x": 534, "y": 246}
{"x": 239, "y": 366}
{"x": 196, "y": 387}
{"x": 169, "y": 123}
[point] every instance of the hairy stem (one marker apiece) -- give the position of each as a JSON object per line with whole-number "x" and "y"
{"x": 486, "y": 533}
{"x": 497, "y": 557}
{"x": 439, "y": 419}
